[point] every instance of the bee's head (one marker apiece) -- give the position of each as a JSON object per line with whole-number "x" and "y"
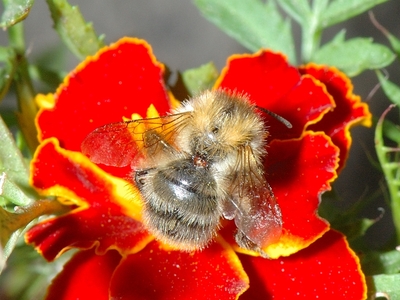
{"x": 221, "y": 123}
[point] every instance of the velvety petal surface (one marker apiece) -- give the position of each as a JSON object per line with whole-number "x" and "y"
{"x": 120, "y": 80}
{"x": 107, "y": 212}
{"x": 157, "y": 273}
{"x": 299, "y": 171}
{"x": 86, "y": 276}
{"x": 327, "y": 269}
{"x": 349, "y": 109}
{"x": 273, "y": 84}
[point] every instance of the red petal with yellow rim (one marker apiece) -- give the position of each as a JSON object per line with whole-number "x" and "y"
{"x": 118, "y": 81}
{"x": 107, "y": 213}
{"x": 85, "y": 277}
{"x": 299, "y": 171}
{"x": 327, "y": 269}
{"x": 349, "y": 109}
{"x": 273, "y": 84}
{"x": 157, "y": 273}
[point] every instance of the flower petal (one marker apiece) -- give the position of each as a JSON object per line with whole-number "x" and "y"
{"x": 327, "y": 269}
{"x": 275, "y": 85}
{"x": 158, "y": 273}
{"x": 108, "y": 213}
{"x": 299, "y": 171}
{"x": 86, "y": 276}
{"x": 349, "y": 109}
{"x": 120, "y": 80}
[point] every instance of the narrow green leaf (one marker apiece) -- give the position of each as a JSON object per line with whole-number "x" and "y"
{"x": 299, "y": 10}
{"x": 391, "y": 131}
{"x": 388, "y": 159}
{"x": 252, "y": 23}
{"x": 341, "y": 10}
{"x": 201, "y": 78}
{"x": 384, "y": 286}
{"x": 391, "y": 90}
{"x": 354, "y": 56}
{"x": 7, "y": 58}
{"x": 78, "y": 35}
{"x": 11, "y": 160}
{"x": 14, "y": 12}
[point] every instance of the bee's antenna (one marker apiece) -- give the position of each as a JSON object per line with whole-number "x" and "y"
{"x": 278, "y": 117}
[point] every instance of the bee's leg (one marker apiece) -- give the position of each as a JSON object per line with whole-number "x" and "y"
{"x": 140, "y": 176}
{"x": 244, "y": 242}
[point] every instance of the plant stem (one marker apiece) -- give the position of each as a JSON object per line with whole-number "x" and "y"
{"x": 11, "y": 222}
{"x": 311, "y": 31}
{"x": 311, "y": 38}
{"x": 24, "y": 87}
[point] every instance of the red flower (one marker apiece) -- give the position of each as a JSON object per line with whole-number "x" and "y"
{"x": 120, "y": 259}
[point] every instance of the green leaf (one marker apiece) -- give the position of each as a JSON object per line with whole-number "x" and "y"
{"x": 8, "y": 238}
{"x": 7, "y": 56}
{"x": 374, "y": 263}
{"x": 348, "y": 221}
{"x": 12, "y": 162}
{"x": 252, "y": 23}
{"x": 299, "y": 10}
{"x": 395, "y": 43}
{"x": 354, "y": 56}
{"x": 391, "y": 90}
{"x": 384, "y": 287}
{"x": 78, "y": 35}
{"x": 14, "y": 12}
{"x": 12, "y": 224}
{"x": 341, "y": 10}
{"x": 11, "y": 193}
{"x": 201, "y": 78}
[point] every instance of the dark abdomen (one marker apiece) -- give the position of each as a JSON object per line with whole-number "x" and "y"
{"x": 180, "y": 203}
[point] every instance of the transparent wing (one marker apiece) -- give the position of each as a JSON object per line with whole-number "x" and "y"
{"x": 117, "y": 144}
{"x": 256, "y": 212}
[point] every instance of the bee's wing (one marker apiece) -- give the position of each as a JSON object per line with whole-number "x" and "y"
{"x": 257, "y": 214}
{"x": 117, "y": 144}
